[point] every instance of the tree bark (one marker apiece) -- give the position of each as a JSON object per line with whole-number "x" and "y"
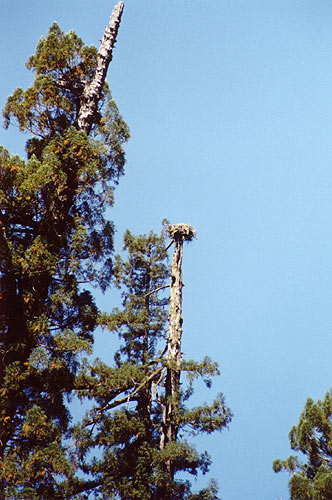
{"x": 173, "y": 345}
{"x": 92, "y": 91}
{"x": 178, "y": 233}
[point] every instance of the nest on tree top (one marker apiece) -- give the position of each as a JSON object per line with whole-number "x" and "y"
{"x": 181, "y": 232}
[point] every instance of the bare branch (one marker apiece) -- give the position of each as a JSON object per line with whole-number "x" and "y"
{"x": 156, "y": 290}
{"x": 145, "y": 382}
{"x": 120, "y": 401}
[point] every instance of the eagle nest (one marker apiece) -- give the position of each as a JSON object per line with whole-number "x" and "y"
{"x": 181, "y": 232}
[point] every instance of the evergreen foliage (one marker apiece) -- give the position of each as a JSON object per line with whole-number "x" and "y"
{"x": 53, "y": 238}
{"x": 55, "y": 245}
{"x": 311, "y": 469}
{"x": 126, "y": 420}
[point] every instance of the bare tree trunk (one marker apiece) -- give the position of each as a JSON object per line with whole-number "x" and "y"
{"x": 178, "y": 233}
{"x": 173, "y": 344}
{"x": 92, "y": 91}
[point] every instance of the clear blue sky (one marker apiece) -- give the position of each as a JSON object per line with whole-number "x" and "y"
{"x": 230, "y": 108}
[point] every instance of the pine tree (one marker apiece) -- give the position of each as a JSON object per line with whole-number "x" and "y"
{"x": 127, "y": 419}
{"x": 311, "y": 438}
{"x": 55, "y": 245}
{"x": 53, "y": 239}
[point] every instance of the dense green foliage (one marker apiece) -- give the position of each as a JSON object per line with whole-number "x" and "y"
{"x": 311, "y": 469}
{"x": 125, "y": 422}
{"x": 55, "y": 246}
{"x": 53, "y": 238}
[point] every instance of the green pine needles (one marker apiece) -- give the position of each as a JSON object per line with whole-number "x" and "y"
{"x": 53, "y": 239}
{"x": 311, "y": 471}
{"x": 126, "y": 423}
{"x": 56, "y": 245}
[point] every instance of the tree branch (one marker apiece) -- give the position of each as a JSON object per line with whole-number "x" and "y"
{"x": 156, "y": 290}
{"x": 124, "y": 399}
{"x": 145, "y": 382}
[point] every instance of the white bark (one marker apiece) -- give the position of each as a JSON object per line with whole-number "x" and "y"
{"x": 92, "y": 91}
{"x": 178, "y": 233}
{"x": 173, "y": 347}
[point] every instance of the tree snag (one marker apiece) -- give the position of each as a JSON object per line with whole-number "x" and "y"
{"x": 92, "y": 91}
{"x": 179, "y": 233}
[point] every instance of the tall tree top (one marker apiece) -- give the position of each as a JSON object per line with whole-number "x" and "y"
{"x": 92, "y": 91}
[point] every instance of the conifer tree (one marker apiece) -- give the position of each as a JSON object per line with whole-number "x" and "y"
{"x": 126, "y": 421}
{"x": 53, "y": 239}
{"x": 311, "y": 438}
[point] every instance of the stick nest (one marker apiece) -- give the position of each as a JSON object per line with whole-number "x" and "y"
{"x": 181, "y": 232}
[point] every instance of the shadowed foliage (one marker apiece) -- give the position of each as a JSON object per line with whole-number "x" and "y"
{"x": 53, "y": 239}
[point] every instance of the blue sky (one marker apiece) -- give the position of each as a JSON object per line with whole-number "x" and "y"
{"x": 230, "y": 108}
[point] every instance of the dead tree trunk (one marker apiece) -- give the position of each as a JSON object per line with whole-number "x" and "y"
{"x": 92, "y": 91}
{"x": 179, "y": 233}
